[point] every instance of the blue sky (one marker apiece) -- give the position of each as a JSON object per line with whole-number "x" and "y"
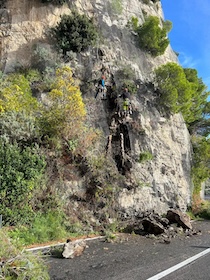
{"x": 190, "y": 34}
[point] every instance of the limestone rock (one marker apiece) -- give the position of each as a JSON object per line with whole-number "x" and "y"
{"x": 181, "y": 218}
{"x": 73, "y": 249}
{"x": 153, "y": 227}
{"x": 158, "y": 184}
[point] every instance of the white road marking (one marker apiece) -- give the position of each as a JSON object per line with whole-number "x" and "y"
{"x": 60, "y": 244}
{"x": 179, "y": 265}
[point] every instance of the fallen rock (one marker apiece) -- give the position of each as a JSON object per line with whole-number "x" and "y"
{"x": 73, "y": 249}
{"x": 182, "y": 219}
{"x": 151, "y": 226}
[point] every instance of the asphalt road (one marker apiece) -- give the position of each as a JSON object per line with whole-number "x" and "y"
{"x": 133, "y": 257}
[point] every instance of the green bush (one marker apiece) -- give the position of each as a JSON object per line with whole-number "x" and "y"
{"x": 16, "y": 95}
{"x": 45, "y": 227}
{"x": 167, "y": 25}
{"x": 145, "y": 156}
{"x": 43, "y": 58}
{"x": 74, "y": 32}
{"x": 20, "y": 171}
{"x": 126, "y": 77}
{"x": 16, "y": 263}
{"x": 201, "y": 161}
{"x": 18, "y": 127}
{"x": 133, "y": 23}
{"x": 117, "y": 6}
{"x": 151, "y": 37}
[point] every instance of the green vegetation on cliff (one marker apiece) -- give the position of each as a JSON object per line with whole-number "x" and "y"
{"x": 74, "y": 32}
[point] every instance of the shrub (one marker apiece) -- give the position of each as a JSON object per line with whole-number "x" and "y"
{"x": 18, "y": 127}
{"x": 15, "y": 94}
{"x": 117, "y": 6}
{"x": 65, "y": 110}
{"x": 167, "y": 25}
{"x": 201, "y": 161}
{"x": 45, "y": 61}
{"x": 133, "y": 23}
{"x": 151, "y": 37}
{"x": 145, "y": 156}
{"x": 74, "y": 32}
{"x": 20, "y": 169}
{"x": 45, "y": 227}
{"x": 204, "y": 210}
{"x": 126, "y": 77}
{"x": 44, "y": 58}
{"x": 19, "y": 264}
{"x": 197, "y": 114}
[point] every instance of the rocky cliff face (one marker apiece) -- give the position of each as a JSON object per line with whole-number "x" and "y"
{"x": 163, "y": 181}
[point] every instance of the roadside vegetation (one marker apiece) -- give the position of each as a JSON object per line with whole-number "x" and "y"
{"x": 35, "y": 137}
{"x": 16, "y": 263}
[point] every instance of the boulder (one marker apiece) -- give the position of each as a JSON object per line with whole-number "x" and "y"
{"x": 182, "y": 219}
{"x": 73, "y": 249}
{"x": 152, "y": 226}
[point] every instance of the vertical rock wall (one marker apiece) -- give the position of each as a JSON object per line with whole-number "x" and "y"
{"x": 161, "y": 182}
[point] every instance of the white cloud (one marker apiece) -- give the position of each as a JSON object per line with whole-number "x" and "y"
{"x": 187, "y": 61}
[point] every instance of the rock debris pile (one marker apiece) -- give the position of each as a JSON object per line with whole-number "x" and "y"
{"x": 152, "y": 225}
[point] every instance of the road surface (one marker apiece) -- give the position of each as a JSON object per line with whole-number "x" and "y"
{"x": 134, "y": 257}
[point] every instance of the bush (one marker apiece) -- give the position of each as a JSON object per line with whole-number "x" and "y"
{"x": 18, "y": 127}
{"x": 145, "y": 156}
{"x": 75, "y": 33}
{"x": 19, "y": 264}
{"x": 44, "y": 57}
{"x": 133, "y": 23}
{"x": 65, "y": 110}
{"x": 151, "y": 37}
{"x": 20, "y": 169}
{"x": 16, "y": 95}
{"x": 45, "y": 227}
{"x": 201, "y": 161}
{"x": 117, "y": 6}
{"x": 167, "y": 25}
{"x": 126, "y": 77}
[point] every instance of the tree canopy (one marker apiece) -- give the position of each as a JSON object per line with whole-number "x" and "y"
{"x": 74, "y": 32}
{"x": 182, "y": 91}
{"x": 151, "y": 37}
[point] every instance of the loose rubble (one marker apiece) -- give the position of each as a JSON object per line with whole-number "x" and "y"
{"x": 152, "y": 225}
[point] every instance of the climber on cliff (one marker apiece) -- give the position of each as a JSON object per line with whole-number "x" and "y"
{"x": 101, "y": 88}
{"x": 126, "y": 106}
